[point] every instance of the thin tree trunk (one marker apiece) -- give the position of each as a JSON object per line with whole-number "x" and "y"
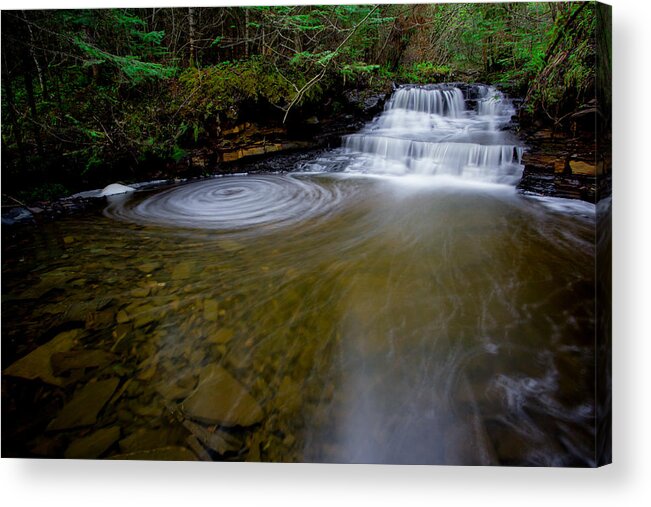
{"x": 193, "y": 54}
{"x": 39, "y": 72}
{"x": 31, "y": 101}
{"x": 246, "y": 32}
{"x": 9, "y": 97}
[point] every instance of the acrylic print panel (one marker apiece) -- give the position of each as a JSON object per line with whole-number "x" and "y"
{"x": 342, "y": 234}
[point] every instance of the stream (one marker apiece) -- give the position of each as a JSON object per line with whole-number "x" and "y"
{"x": 395, "y": 300}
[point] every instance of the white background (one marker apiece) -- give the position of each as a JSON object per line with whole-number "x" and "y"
{"x": 625, "y": 483}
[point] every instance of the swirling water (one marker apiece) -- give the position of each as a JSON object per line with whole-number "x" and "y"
{"x": 393, "y": 302}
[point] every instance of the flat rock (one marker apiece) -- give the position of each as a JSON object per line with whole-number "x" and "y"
{"x": 218, "y": 440}
{"x": 183, "y": 270}
{"x": 222, "y": 336}
{"x": 63, "y": 362}
{"x": 93, "y": 445}
{"x": 221, "y": 399}
{"x": 84, "y": 406}
{"x": 210, "y": 310}
{"x": 37, "y": 364}
{"x": 149, "y": 267}
{"x": 583, "y": 167}
{"x": 172, "y": 453}
{"x": 144, "y": 439}
{"x": 173, "y": 392}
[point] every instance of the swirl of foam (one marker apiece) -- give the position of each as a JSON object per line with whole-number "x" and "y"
{"x": 234, "y": 203}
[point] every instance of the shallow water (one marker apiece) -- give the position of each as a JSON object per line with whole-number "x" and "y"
{"x": 396, "y": 302}
{"x": 440, "y": 323}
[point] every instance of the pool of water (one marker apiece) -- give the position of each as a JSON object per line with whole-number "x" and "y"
{"x": 305, "y": 317}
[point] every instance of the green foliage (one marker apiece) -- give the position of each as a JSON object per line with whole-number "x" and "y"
{"x": 86, "y": 90}
{"x": 47, "y": 192}
{"x": 424, "y": 72}
{"x": 565, "y": 80}
{"x": 133, "y": 69}
{"x": 220, "y": 89}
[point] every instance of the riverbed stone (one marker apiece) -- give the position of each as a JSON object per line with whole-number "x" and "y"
{"x": 37, "y": 364}
{"x": 172, "y": 453}
{"x": 93, "y": 445}
{"x": 221, "y": 399}
{"x": 85, "y": 405}
{"x": 122, "y": 317}
{"x": 182, "y": 270}
{"x": 149, "y": 267}
{"x": 210, "y": 310}
{"x": 64, "y": 362}
{"x": 140, "y": 292}
{"x": 219, "y": 441}
{"x": 222, "y": 336}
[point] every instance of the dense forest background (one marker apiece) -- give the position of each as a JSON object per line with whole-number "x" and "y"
{"x": 87, "y": 91}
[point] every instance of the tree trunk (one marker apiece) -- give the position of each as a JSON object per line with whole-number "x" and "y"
{"x": 9, "y": 97}
{"x": 192, "y": 35}
{"x": 246, "y": 32}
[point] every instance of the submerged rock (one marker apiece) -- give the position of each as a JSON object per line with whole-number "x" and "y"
{"x": 222, "y": 336}
{"x": 172, "y": 453}
{"x": 93, "y": 445}
{"x": 221, "y": 399}
{"x": 64, "y": 362}
{"x": 145, "y": 439}
{"x": 37, "y": 364}
{"x": 86, "y": 403}
{"x": 219, "y": 441}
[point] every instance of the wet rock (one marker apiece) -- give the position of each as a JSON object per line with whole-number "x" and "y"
{"x": 48, "y": 447}
{"x": 210, "y": 310}
{"x": 99, "y": 320}
{"x": 230, "y": 245}
{"x": 93, "y": 445}
{"x": 174, "y": 392}
{"x": 183, "y": 270}
{"x": 222, "y": 336}
{"x": 254, "y": 448}
{"x": 172, "y": 453}
{"x": 197, "y": 357}
{"x": 221, "y": 399}
{"x": 16, "y": 215}
{"x": 85, "y": 405}
{"x": 37, "y": 364}
{"x": 147, "y": 410}
{"x": 140, "y": 292}
{"x": 63, "y": 362}
{"x": 219, "y": 441}
{"x": 144, "y": 439}
{"x": 149, "y": 267}
{"x": 288, "y": 398}
{"x": 122, "y": 317}
{"x": 197, "y": 448}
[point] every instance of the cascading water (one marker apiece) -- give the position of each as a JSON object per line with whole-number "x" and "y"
{"x": 436, "y": 130}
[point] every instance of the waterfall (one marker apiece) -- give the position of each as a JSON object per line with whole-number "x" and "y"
{"x": 452, "y": 130}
